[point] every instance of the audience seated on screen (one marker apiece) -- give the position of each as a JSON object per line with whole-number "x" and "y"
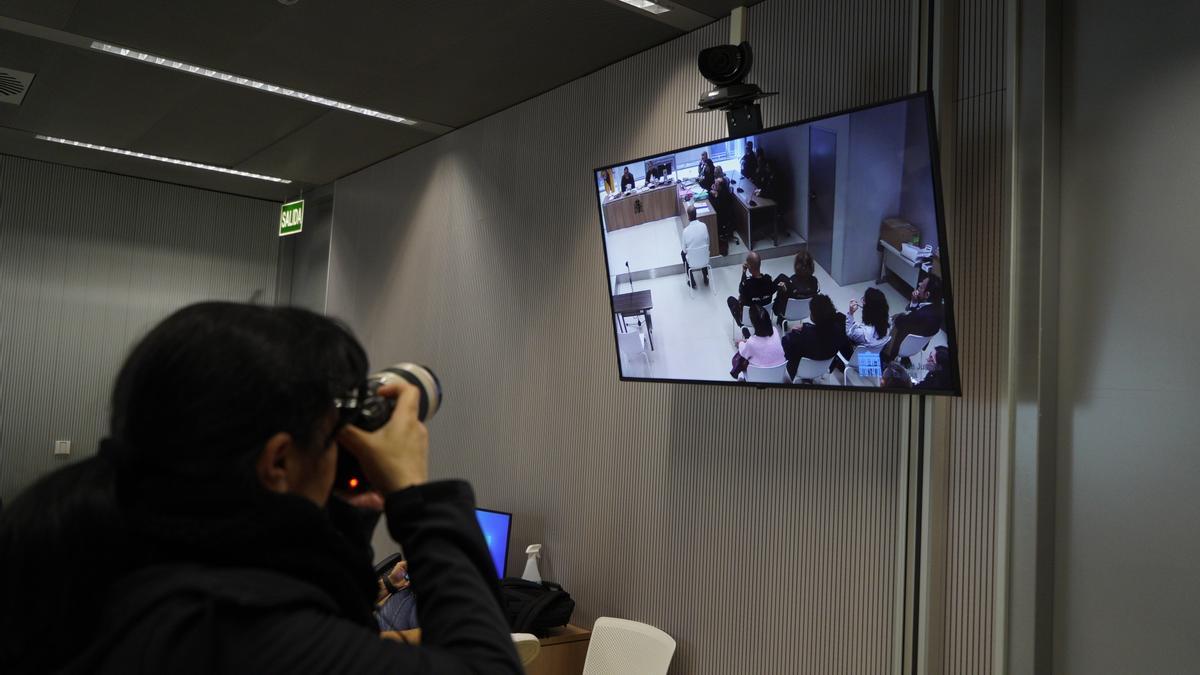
{"x": 818, "y": 340}
{"x": 695, "y": 235}
{"x": 895, "y": 377}
{"x": 755, "y": 288}
{"x": 923, "y": 316}
{"x": 872, "y": 332}
{"x": 763, "y": 348}
{"x": 939, "y": 375}
{"x": 800, "y": 286}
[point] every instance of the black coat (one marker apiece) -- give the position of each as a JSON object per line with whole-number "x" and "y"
{"x": 193, "y": 618}
{"x": 925, "y": 321}
{"x": 809, "y": 342}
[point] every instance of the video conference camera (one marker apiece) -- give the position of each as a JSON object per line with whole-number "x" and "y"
{"x": 366, "y": 409}
{"x": 725, "y": 66}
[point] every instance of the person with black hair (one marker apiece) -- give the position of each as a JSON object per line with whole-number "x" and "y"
{"x": 894, "y": 376}
{"x": 940, "y": 375}
{"x": 923, "y": 316}
{"x": 628, "y": 182}
{"x": 872, "y": 332}
{"x": 762, "y": 349}
{"x": 706, "y": 172}
{"x": 819, "y": 340}
{"x": 750, "y": 163}
{"x": 802, "y": 285}
{"x": 208, "y": 530}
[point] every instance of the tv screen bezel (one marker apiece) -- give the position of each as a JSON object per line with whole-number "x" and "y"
{"x": 943, "y": 257}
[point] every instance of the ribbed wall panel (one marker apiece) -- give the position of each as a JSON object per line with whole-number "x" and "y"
{"x": 88, "y": 261}
{"x": 759, "y": 528}
{"x": 978, "y": 236}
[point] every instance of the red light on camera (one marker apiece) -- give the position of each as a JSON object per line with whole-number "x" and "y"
{"x": 353, "y": 483}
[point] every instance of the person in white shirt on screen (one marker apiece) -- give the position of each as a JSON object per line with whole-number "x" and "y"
{"x": 695, "y": 235}
{"x": 872, "y": 333}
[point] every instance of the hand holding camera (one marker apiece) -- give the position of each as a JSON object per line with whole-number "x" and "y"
{"x": 396, "y": 455}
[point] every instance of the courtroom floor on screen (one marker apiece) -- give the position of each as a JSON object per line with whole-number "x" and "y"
{"x": 655, "y": 245}
{"x": 694, "y": 331}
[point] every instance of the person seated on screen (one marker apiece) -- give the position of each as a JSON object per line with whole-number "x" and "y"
{"x": 706, "y": 172}
{"x": 722, "y": 200}
{"x": 940, "y": 375}
{"x": 627, "y": 181}
{"x": 800, "y": 286}
{"x": 872, "y": 332}
{"x": 695, "y": 235}
{"x": 653, "y": 174}
{"x": 755, "y": 288}
{"x": 894, "y": 376}
{"x": 766, "y": 181}
{"x": 750, "y": 163}
{"x": 923, "y": 316}
{"x": 763, "y": 348}
{"x": 819, "y": 340}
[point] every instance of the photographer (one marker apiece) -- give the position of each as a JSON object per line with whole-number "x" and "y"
{"x": 204, "y": 538}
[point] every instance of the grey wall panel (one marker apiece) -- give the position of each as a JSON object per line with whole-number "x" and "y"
{"x": 88, "y": 261}
{"x": 757, "y": 528}
{"x": 1128, "y": 471}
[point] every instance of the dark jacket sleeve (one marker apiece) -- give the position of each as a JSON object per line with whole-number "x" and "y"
{"x": 462, "y": 628}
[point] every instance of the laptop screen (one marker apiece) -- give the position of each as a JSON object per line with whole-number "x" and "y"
{"x": 496, "y": 527}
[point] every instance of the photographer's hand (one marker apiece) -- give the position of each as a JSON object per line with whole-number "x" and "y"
{"x": 395, "y": 456}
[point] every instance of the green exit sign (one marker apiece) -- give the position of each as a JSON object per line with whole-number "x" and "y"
{"x": 291, "y": 218}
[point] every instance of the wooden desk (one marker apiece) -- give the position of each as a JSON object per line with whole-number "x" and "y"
{"x": 760, "y": 218}
{"x": 563, "y": 652}
{"x": 634, "y": 304}
{"x": 639, "y": 207}
{"x": 704, "y": 213}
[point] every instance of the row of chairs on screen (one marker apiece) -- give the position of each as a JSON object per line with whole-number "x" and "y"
{"x": 810, "y": 371}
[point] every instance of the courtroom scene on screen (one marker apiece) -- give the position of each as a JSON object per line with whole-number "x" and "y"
{"x": 803, "y": 255}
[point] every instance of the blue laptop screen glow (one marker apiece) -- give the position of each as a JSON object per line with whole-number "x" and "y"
{"x": 495, "y": 526}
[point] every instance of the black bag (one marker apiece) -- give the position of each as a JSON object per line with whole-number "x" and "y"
{"x": 533, "y": 608}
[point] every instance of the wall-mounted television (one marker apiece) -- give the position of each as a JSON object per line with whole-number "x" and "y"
{"x": 811, "y": 254}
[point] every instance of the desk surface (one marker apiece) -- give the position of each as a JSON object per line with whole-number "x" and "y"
{"x": 747, "y": 194}
{"x": 631, "y": 303}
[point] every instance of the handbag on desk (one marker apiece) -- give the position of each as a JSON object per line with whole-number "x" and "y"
{"x": 532, "y": 607}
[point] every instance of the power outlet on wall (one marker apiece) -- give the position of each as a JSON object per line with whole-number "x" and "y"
{"x": 62, "y": 447}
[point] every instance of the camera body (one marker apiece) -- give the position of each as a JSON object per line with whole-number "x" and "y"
{"x": 369, "y": 411}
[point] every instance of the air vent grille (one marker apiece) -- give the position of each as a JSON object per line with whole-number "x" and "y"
{"x": 13, "y": 85}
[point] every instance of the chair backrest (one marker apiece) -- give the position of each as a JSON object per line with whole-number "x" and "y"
{"x": 622, "y": 647}
{"x": 797, "y": 310}
{"x": 773, "y": 375}
{"x": 527, "y": 645}
{"x": 631, "y": 343}
{"x": 912, "y": 344}
{"x": 697, "y": 257}
{"x": 811, "y": 370}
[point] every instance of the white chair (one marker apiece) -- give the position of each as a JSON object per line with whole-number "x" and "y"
{"x": 772, "y": 375}
{"x": 809, "y": 370}
{"x": 631, "y": 344}
{"x": 912, "y": 345}
{"x": 852, "y": 376}
{"x": 622, "y": 647}
{"x": 797, "y": 310}
{"x": 527, "y": 646}
{"x": 697, "y": 260}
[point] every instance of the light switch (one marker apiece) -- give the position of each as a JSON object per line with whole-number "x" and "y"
{"x": 62, "y": 447}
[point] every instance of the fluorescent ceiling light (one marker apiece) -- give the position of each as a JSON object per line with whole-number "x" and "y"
{"x": 168, "y": 160}
{"x": 254, "y": 84}
{"x": 651, "y": 7}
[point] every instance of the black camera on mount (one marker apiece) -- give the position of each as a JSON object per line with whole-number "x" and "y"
{"x": 725, "y": 66}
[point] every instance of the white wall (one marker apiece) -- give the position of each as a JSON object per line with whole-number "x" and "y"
{"x": 1127, "y": 584}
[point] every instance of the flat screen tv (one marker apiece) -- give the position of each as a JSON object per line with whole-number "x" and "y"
{"x": 807, "y": 255}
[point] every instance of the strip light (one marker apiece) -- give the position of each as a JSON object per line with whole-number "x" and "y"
{"x": 252, "y": 84}
{"x": 651, "y": 7}
{"x": 157, "y": 158}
